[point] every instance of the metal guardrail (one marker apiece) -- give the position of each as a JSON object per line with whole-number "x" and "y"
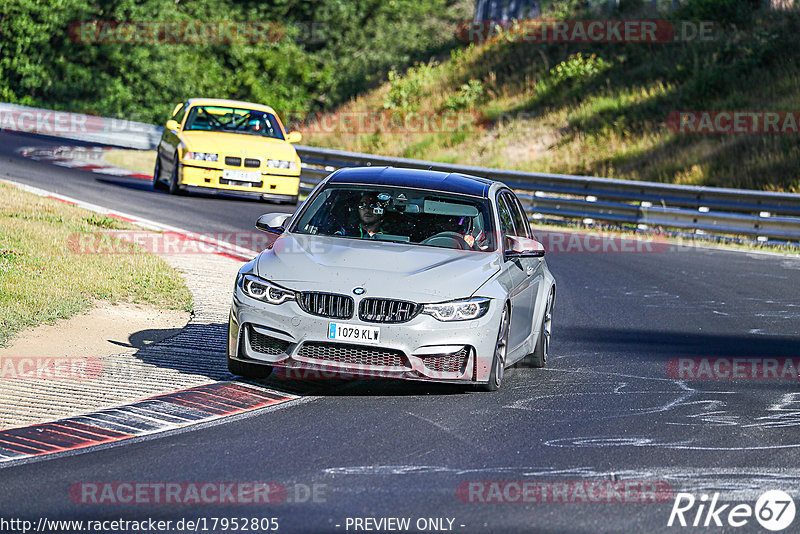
{"x": 80, "y": 126}
{"x": 712, "y": 210}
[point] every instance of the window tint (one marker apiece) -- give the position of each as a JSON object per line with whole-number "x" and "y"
{"x": 506, "y": 220}
{"x": 235, "y": 120}
{"x": 399, "y": 214}
{"x": 180, "y": 114}
{"x": 520, "y": 219}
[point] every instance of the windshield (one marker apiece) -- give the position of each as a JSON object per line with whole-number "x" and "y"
{"x": 401, "y": 215}
{"x": 236, "y": 120}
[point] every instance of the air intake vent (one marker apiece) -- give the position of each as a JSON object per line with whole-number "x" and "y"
{"x": 374, "y": 310}
{"x": 328, "y": 305}
{"x": 266, "y": 344}
{"x": 251, "y": 162}
{"x": 448, "y": 363}
{"x": 233, "y": 161}
{"x": 354, "y": 354}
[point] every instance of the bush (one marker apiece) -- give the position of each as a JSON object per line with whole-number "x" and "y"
{"x": 468, "y": 95}
{"x": 725, "y": 12}
{"x": 406, "y": 91}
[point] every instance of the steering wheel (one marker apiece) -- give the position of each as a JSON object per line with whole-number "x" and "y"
{"x": 447, "y": 240}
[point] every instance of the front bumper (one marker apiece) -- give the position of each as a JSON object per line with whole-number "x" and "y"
{"x": 423, "y": 348}
{"x": 278, "y": 184}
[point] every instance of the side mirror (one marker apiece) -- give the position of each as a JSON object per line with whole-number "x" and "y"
{"x": 294, "y": 137}
{"x": 173, "y": 125}
{"x": 272, "y": 222}
{"x": 523, "y": 247}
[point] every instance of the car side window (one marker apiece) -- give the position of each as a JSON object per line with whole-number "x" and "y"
{"x": 506, "y": 220}
{"x": 180, "y": 114}
{"x": 520, "y": 219}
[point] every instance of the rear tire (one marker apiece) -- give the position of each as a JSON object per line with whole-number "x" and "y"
{"x": 539, "y": 356}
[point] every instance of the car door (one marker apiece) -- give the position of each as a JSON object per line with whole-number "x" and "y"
{"x": 169, "y": 142}
{"x": 533, "y": 266}
{"x": 515, "y": 276}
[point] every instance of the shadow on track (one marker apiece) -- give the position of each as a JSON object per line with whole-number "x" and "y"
{"x": 200, "y": 349}
{"x": 665, "y": 344}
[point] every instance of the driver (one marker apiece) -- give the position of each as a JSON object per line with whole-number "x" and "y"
{"x": 464, "y": 226}
{"x": 370, "y": 217}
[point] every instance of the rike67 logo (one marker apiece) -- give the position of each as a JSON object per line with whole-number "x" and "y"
{"x": 774, "y": 510}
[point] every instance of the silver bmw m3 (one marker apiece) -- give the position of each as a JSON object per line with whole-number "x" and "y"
{"x": 396, "y": 273}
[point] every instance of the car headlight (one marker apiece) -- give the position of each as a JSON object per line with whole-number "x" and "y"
{"x": 458, "y": 310}
{"x": 201, "y": 156}
{"x": 264, "y": 290}
{"x": 282, "y": 164}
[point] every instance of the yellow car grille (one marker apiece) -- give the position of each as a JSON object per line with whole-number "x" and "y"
{"x": 235, "y": 161}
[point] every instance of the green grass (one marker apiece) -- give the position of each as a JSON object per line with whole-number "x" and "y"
{"x": 602, "y": 109}
{"x": 143, "y": 161}
{"x": 41, "y": 280}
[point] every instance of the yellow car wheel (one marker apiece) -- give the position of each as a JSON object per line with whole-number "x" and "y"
{"x": 174, "y": 184}
{"x": 158, "y": 185}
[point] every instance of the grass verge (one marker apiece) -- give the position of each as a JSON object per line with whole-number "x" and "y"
{"x": 142, "y": 161}
{"x": 599, "y": 109}
{"x": 41, "y": 280}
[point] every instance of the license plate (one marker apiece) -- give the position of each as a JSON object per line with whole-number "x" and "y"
{"x": 241, "y": 176}
{"x": 349, "y": 332}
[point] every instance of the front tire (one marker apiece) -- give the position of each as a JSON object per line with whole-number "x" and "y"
{"x": 174, "y": 184}
{"x": 500, "y": 352}
{"x": 157, "y": 184}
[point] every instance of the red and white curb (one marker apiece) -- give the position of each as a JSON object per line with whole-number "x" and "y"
{"x": 150, "y": 416}
{"x": 204, "y": 242}
{"x": 88, "y": 159}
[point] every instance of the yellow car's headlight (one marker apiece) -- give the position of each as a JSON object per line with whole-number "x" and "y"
{"x": 282, "y": 164}
{"x": 201, "y": 156}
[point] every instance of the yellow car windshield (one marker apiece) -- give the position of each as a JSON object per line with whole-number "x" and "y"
{"x": 233, "y": 120}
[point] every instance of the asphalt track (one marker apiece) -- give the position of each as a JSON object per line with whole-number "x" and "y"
{"x": 604, "y": 410}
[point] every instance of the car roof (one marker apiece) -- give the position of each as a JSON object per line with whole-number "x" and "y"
{"x": 231, "y": 103}
{"x": 449, "y": 182}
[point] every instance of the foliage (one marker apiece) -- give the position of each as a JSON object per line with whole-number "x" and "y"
{"x": 325, "y": 52}
{"x": 405, "y": 92}
{"x": 467, "y": 96}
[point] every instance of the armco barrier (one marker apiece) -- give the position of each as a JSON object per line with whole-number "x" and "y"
{"x": 80, "y": 126}
{"x": 712, "y": 210}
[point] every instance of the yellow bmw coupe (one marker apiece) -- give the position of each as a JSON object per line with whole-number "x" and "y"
{"x": 230, "y": 146}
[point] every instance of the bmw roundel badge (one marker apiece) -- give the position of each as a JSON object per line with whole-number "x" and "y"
{"x": 359, "y": 290}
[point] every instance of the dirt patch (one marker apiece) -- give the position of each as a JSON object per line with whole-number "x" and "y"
{"x": 103, "y": 330}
